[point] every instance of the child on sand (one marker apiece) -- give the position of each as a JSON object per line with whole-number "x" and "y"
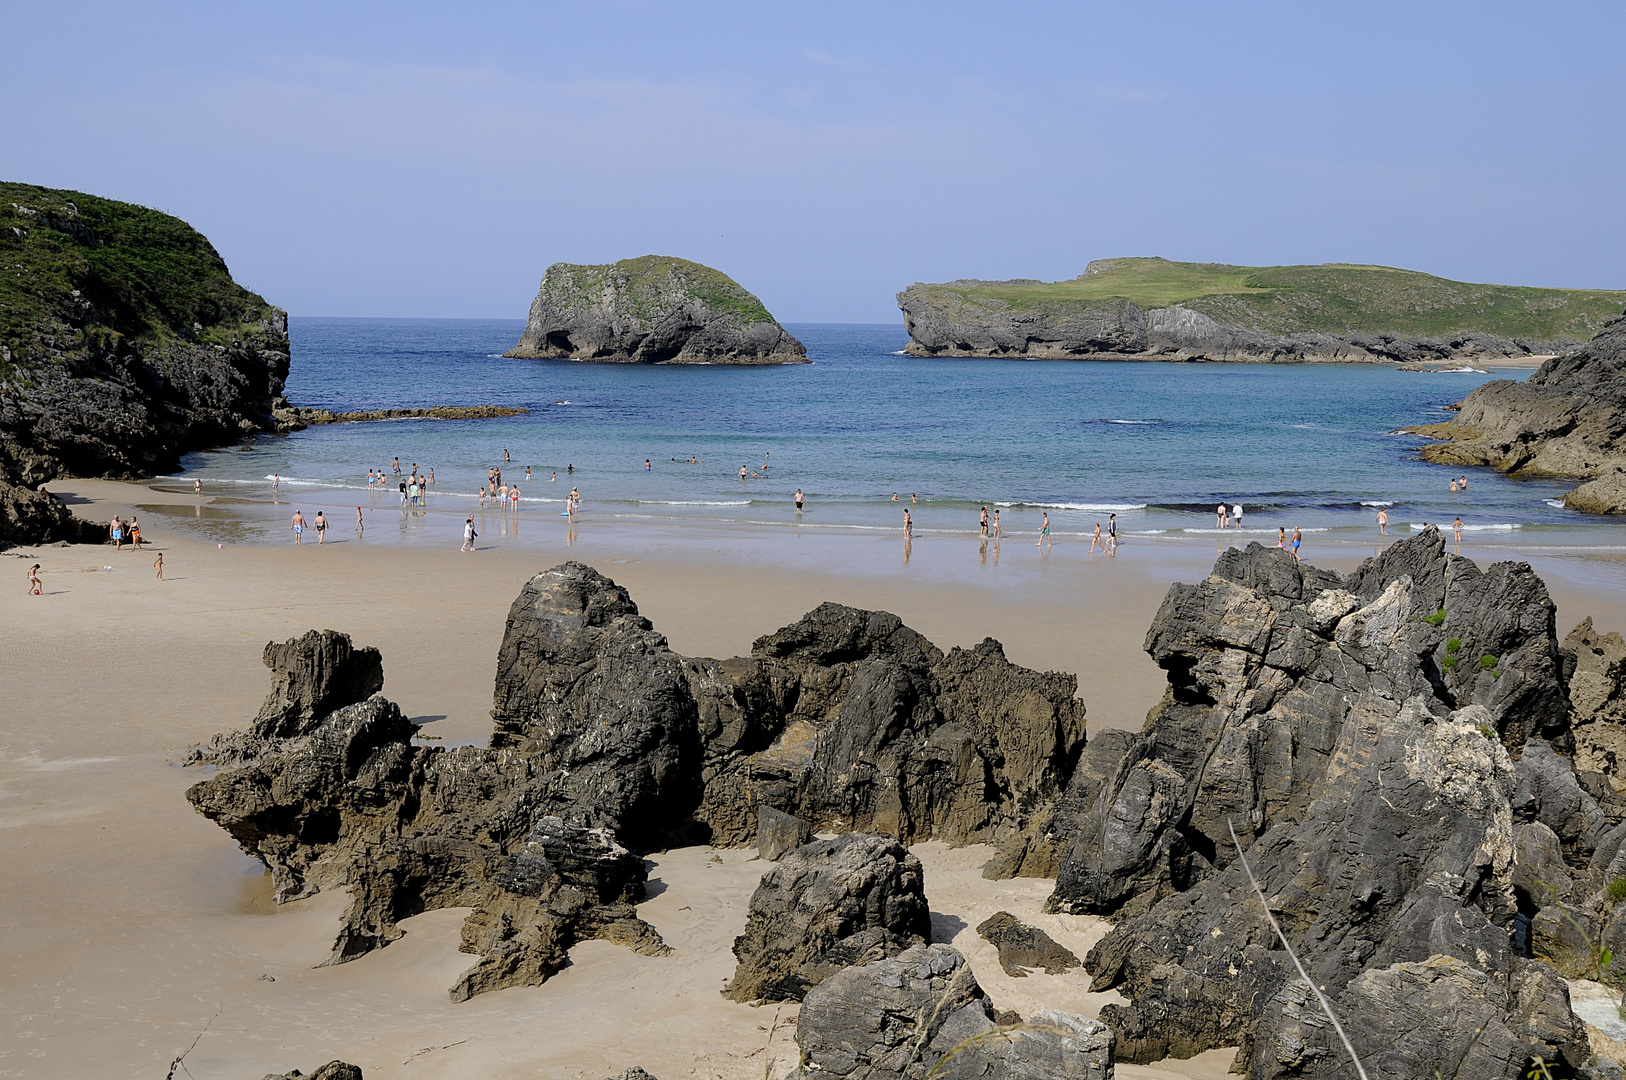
{"x": 159, "y": 566}
{"x": 34, "y": 580}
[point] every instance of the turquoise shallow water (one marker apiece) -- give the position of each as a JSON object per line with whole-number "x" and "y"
{"x": 1311, "y": 446}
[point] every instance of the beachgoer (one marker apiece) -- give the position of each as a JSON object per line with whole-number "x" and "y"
{"x": 431, "y": 475}
{"x": 360, "y": 524}
{"x": 527, "y": 474}
{"x": 894, "y": 496}
{"x": 983, "y": 521}
{"x": 513, "y": 497}
{"x": 482, "y": 498}
{"x": 647, "y": 465}
{"x": 1298, "y": 538}
{"x": 1453, "y": 484}
{"x": 115, "y": 531}
{"x": 1044, "y": 530}
{"x": 570, "y": 468}
{"x": 505, "y": 455}
{"x": 34, "y": 585}
{"x": 1112, "y": 533}
{"x": 1456, "y": 527}
{"x": 135, "y": 534}
{"x": 912, "y": 497}
{"x": 1220, "y": 514}
{"x": 908, "y": 525}
{"x": 1462, "y": 483}
{"x": 996, "y": 524}
{"x": 1236, "y": 516}
{"x": 798, "y": 500}
{"x": 397, "y": 466}
{"x": 1281, "y": 536}
{"x": 298, "y": 523}
{"x": 321, "y": 527}
{"x": 403, "y": 491}
{"x": 1383, "y": 521}
{"x": 1095, "y": 539}
{"x": 553, "y": 478}
{"x": 468, "y": 534}
{"x": 742, "y": 472}
{"x": 159, "y": 566}
{"x": 197, "y": 487}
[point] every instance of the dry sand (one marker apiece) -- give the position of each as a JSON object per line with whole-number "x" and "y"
{"x": 130, "y": 922}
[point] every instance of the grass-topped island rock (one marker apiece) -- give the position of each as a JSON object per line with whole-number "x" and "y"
{"x": 651, "y": 310}
{"x": 1154, "y": 309}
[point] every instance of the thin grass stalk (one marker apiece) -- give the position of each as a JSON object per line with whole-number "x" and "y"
{"x": 1274, "y": 925}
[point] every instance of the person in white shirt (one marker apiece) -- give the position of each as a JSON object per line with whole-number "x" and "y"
{"x": 1236, "y": 516}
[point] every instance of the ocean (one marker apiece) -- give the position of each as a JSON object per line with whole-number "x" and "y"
{"x": 1307, "y": 446}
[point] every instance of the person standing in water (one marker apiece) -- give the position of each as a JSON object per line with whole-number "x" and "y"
{"x": 298, "y": 524}
{"x": 1236, "y": 516}
{"x": 1220, "y": 514}
{"x": 1383, "y": 521}
{"x": 798, "y": 500}
{"x": 1456, "y": 527}
{"x": 647, "y": 465}
{"x": 983, "y": 521}
{"x": 361, "y": 525}
{"x": 743, "y": 472}
{"x": 996, "y": 525}
{"x": 908, "y": 525}
{"x": 1044, "y": 530}
{"x": 505, "y": 455}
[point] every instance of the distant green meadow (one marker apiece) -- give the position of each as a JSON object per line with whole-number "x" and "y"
{"x": 1334, "y": 298}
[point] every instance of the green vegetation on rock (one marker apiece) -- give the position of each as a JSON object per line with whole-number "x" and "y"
{"x": 1333, "y": 298}
{"x": 83, "y": 273}
{"x": 648, "y": 277}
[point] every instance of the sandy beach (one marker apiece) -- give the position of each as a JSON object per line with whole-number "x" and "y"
{"x": 131, "y": 924}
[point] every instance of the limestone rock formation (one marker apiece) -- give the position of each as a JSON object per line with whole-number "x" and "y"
{"x": 1213, "y": 312}
{"x": 606, "y": 744}
{"x": 297, "y": 418}
{"x": 1023, "y": 948}
{"x": 1595, "y": 670}
{"x": 124, "y": 343}
{"x": 652, "y": 310}
{"x": 1567, "y": 419}
{"x": 779, "y": 832}
{"x": 633, "y": 1073}
{"x": 828, "y": 905}
{"x": 29, "y": 516}
{"x": 899, "y": 1018}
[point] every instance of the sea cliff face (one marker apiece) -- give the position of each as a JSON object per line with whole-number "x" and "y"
{"x": 124, "y": 343}
{"x": 1154, "y": 309}
{"x": 1568, "y": 419}
{"x": 651, "y": 310}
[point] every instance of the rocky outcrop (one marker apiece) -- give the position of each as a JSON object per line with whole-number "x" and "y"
{"x": 605, "y": 744}
{"x": 902, "y": 1017}
{"x": 652, "y": 310}
{"x": 1568, "y": 419}
{"x": 826, "y": 906}
{"x": 1359, "y": 734}
{"x": 29, "y": 516}
{"x": 779, "y": 832}
{"x": 297, "y": 418}
{"x": 333, "y": 1070}
{"x": 1595, "y": 672}
{"x": 123, "y": 345}
{"x": 1329, "y": 314}
{"x": 1023, "y": 948}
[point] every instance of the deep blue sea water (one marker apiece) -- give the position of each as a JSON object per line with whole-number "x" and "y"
{"x": 1302, "y": 445}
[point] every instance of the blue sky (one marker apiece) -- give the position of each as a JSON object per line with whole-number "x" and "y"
{"x": 409, "y": 159}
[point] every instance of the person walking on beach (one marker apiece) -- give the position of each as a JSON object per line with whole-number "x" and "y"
{"x": 1112, "y": 534}
{"x": 1044, "y": 530}
{"x": 908, "y": 524}
{"x": 321, "y": 527}
{"x": 34, "y": 580}
{"x": 197, "y": 487}
{"x": 983, "y": 521}
{"x": 159, "y": 566}
{"x": 361, "y": 526}
{"x": 1383, "y": 521}
{"x": 298, "y": 524}
{"x": 1298, "y": 538}
{"x": 115, "y": 532}
{"x": 798, "y": 500}
{"x": 1095, "y": 539}
{"x": 1456, "y": 527}
{"x": 1281, "y": 537}
{"x": 996, "y": 524}
{"x": 468, "y": 534}
{"x": 135, "y": 534}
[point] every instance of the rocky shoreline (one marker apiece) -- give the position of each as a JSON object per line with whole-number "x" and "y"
{"x": 1567, "y": 420}
{"x": 1420, "y": 774}
{"x": 297, "y": 418}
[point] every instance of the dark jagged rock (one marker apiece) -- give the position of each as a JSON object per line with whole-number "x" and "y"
{"x": 1023, "y": 948}
{"x": 604, "y": 740}
{"x": 1567, "y": 419}
{"x": 1268, "y": 660}
{"x": 124, "y": 343}
{"x": 29, "y": 516}
{"x": 778, "y": 832}
{"x": 652, "y": 310}
{"x": 633, "y": 1073}
{"x": 828, "y": 905}
{"x": 1439, "y": 1017}
{"x": 899, "y": 1018}
{"x": 333, "y": 1070}
{"x": 297, "y": 418}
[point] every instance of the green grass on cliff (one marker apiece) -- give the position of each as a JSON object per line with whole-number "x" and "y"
{"x": 139, "y": 275}
{"x": 649, "y": 276}
{"x": 1331, "y": 298}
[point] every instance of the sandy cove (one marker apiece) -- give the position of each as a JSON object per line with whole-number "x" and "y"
{"x": 131, "y": 921}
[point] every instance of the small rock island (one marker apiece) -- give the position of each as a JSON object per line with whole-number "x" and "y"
{"x": 651, "y": 310}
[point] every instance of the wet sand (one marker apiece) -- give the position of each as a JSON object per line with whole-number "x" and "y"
{"x": 130, "y": 921}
